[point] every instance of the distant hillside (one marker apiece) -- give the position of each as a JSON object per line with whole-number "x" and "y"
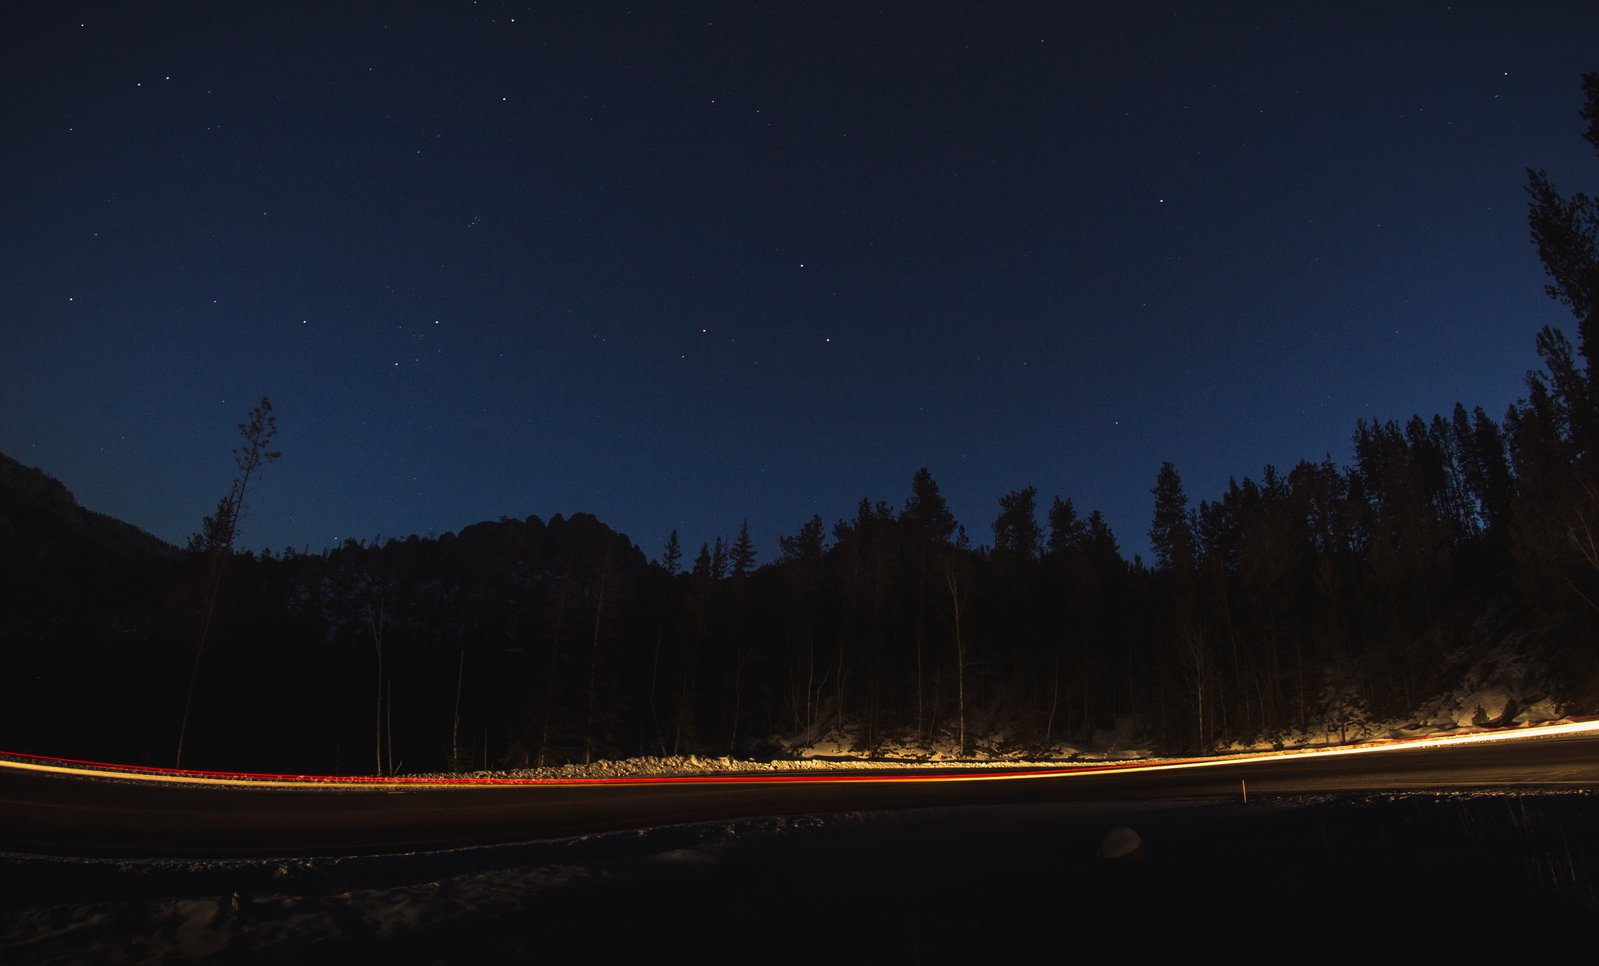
{"x": 40, "y": 522}
{"x": 530, "y": 631}
{"x": 55, "y": 548}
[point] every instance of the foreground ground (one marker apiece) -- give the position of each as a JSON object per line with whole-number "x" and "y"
{"x": 926, "y": 885}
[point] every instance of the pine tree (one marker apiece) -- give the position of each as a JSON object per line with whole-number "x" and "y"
{"x": 1016, "y": 532}
{"x": 1554, "y": 433}
{"x": 1566, "y": 231}
{"x": 807, "y": 544}
{"x": 672, "y": 557}
{"x": 926, "y": 512}
{"x": 802, "y": 596}
{"x": 1067, "y": 532}
{"x": 929, "y": 524}
{"x": 742, "y": 555}
{"x": 719, "y": 559}
{"x": 1171, "y": 535}
{"x": 1101, "y": 541}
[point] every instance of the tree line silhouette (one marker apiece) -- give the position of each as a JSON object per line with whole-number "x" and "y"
{"x": 1307, "y": 600}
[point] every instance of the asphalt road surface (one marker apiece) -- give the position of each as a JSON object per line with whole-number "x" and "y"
{"x": 54, "y": 813}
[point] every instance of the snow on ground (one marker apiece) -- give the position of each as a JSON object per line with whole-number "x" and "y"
{"x": 1501, "y": 690}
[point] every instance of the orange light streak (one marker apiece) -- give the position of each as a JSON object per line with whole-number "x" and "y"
{"x": 96, "y": 769}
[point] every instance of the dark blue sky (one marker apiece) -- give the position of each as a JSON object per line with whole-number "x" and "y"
{"x": 678, "y": 265}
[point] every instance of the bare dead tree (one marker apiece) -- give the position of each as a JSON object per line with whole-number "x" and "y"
{"x": 219, "y": 533}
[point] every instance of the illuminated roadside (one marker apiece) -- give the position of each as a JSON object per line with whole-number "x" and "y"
{"x": 864, "y": 772}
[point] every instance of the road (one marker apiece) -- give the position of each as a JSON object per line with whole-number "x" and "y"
{"x": 94, "y": 813}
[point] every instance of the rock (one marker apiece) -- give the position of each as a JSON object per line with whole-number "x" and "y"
{"x": 1488, "y": 708}
{"x": 1121, "y": 844}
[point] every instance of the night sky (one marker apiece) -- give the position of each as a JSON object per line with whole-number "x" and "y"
{"x": 678, "y": 265}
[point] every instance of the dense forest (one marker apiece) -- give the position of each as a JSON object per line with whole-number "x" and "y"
{"x": 1307, "y": 597}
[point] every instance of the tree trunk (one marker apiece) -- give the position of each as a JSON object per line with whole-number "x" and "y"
{"x": 594, "y": 671}
{"x": 374, "y": 620}
{"x": 455, "y": 727}
{"x": 542, "y": 757}
{"x": 960, "y": 661}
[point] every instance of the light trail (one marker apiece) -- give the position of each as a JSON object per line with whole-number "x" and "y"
{"x": 869, "y": 772}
